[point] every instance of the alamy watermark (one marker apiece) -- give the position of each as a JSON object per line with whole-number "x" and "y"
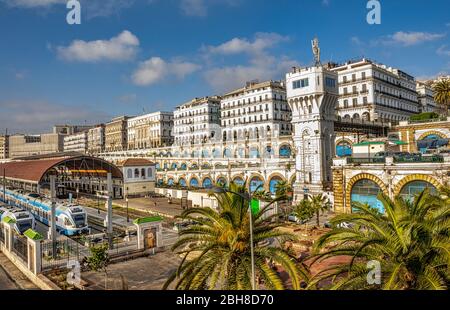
{"x": 374, "y": 15}
{"x": 374, "y": 275}
{"x": 74, "y": 15}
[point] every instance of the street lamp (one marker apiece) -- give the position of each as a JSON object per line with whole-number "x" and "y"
{"x": 98, "y": 203}
{"x": 128, "y": 216}
{"x": 78, "y": 190}
{"x": 249, "y": 198}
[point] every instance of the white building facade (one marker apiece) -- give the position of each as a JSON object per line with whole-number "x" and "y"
{"x": 76, "y": 143}
{"x": 374, "y": 92}
{"x": 150, "y": 130}
{"x": 256, "y": 111}
{"x": 96, "y": 140}
{"x": 197, "y": 121}
{"x": 426, "y": 97}
{"x": 312, "y": 94}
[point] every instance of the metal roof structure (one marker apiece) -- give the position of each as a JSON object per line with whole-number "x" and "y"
{"x": 34, "y": 170}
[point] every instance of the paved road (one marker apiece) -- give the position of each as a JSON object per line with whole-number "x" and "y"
{"x": 6, "y": 283}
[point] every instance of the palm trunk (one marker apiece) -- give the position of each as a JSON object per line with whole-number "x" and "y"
{"x": 318, "y": 219}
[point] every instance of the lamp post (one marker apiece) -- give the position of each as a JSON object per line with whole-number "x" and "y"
{"x": 78, "y": 190}
{"x": 98, "y": 203}
{"x": 128, "y": 216}
{"x": 249, "y": 198}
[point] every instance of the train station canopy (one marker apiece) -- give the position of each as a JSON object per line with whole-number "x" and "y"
{"x": 34, "y": 169}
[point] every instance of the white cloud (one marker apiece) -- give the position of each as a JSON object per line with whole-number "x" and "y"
{"x": 443, "y": 50}
{"x": 120, "y": 48}
{"x": 409, "y": 38}
{"x": 261, "y": 64}
{"x": 261, "y": 42}
{"x": 194, "y": 7}
{"x": 31, "y": 116}
{"x": 156, "y": 69}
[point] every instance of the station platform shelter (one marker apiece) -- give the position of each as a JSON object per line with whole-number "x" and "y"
{"x": 75, "y": 173}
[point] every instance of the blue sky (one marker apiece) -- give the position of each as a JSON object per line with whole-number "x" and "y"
{"x": 130, "y": 56}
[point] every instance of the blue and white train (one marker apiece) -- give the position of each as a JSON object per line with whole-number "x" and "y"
{"x": 70, "y": 219}
{"x": 23, "y": 220}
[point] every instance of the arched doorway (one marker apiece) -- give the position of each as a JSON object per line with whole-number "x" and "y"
{"x": 366, "y": 191}
{"x": 411, "y": 189}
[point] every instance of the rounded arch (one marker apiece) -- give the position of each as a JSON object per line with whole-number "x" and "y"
{"x": 182, "y": 182}
{"x": 344, "y": 147}
{"x": 432, "y": 133}
{"x": 222, "y": 180}
{"x": 274, "y": 179}
{"x": 285, "y": 151}
{"x": 170, "y": 181}
{"x": 183, "y": 166}
{"x": 256, "y": 181}
{"x": 416, "y": 177}
{"x": 227, "y": 153}
{"x": 207, "y": 182}
{"x": 238, "y": 179}
{"x": 359, "y": 177}
{"x": 193, "y": 182}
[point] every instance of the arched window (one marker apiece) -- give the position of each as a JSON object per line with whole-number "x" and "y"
{"x": 256, "y": 183}
{"x": 227, "y": 153}
{"x": 207, "y": 183}
{"x": 136, "y": 173}
{"x": 143, "y": 173}
{"x": 221, "y": 181}
{"x": 170, "y": 182}
{"x": 149, "y": 173}
{"x": 273, "y": 184}
{"x": 285, "y": 151}
{"x": 193, "y": 182}
{"x": 216, "y": 153}
{"x": 343, "y": 149}
{"x": 182, "y": 182}
{"x": 412, "y": 189}
{"x": 254, "y": 152}
{"x": 366, "y": 192}
{"x": 129, "y": 173}
{"x": 238, "y": 181}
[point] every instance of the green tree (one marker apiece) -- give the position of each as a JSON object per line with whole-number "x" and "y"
{"x": 410, "y": 241}
{"x": 99, "y": 260}
{"x": 442, "y": 93}
{"x": 216, "y": 250}
{"x": 283, "y": 193}
{"x": 320, "y": 204}
{"x": 304, "y": 211}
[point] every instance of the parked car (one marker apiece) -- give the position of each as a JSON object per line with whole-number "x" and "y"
{"x": 293, "y": 218}
{"x": 345, "y": 225}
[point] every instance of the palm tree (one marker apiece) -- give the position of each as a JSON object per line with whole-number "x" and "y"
{"x": 304, "y": 211}
{"x": 442, "y": 93}
{"x": 283, "y": 190}
{"x": 216, "y": 250}
{"x": 411, "y": 242}
{"x": 319, "y": 204}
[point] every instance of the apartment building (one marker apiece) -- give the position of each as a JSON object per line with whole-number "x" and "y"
{"x": 197, "y": 121}
{"x": 96, "y": 140}
{"x": 150, "y": 130}
{"x": 116, "y": 134}
{"x": 373, "y": 92}
{"x": 258, "y": 110}
{"x": 76, "y": 143}
{"x": 4, "y": 147}
{"x": 29, "y": 145}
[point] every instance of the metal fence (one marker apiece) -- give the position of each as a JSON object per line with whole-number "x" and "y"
{"x": 20, "y": 247}
{"x": 2, "y": 234}
{"x": 66, "y": 250}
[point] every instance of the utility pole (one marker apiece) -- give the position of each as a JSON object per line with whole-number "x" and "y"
{"x": 109, "y": 222}
{"x": 53, "y": 213}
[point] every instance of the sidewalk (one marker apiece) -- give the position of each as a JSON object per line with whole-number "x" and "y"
{"x": 19, "y": 279}
{"x": 159, "y": 206}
